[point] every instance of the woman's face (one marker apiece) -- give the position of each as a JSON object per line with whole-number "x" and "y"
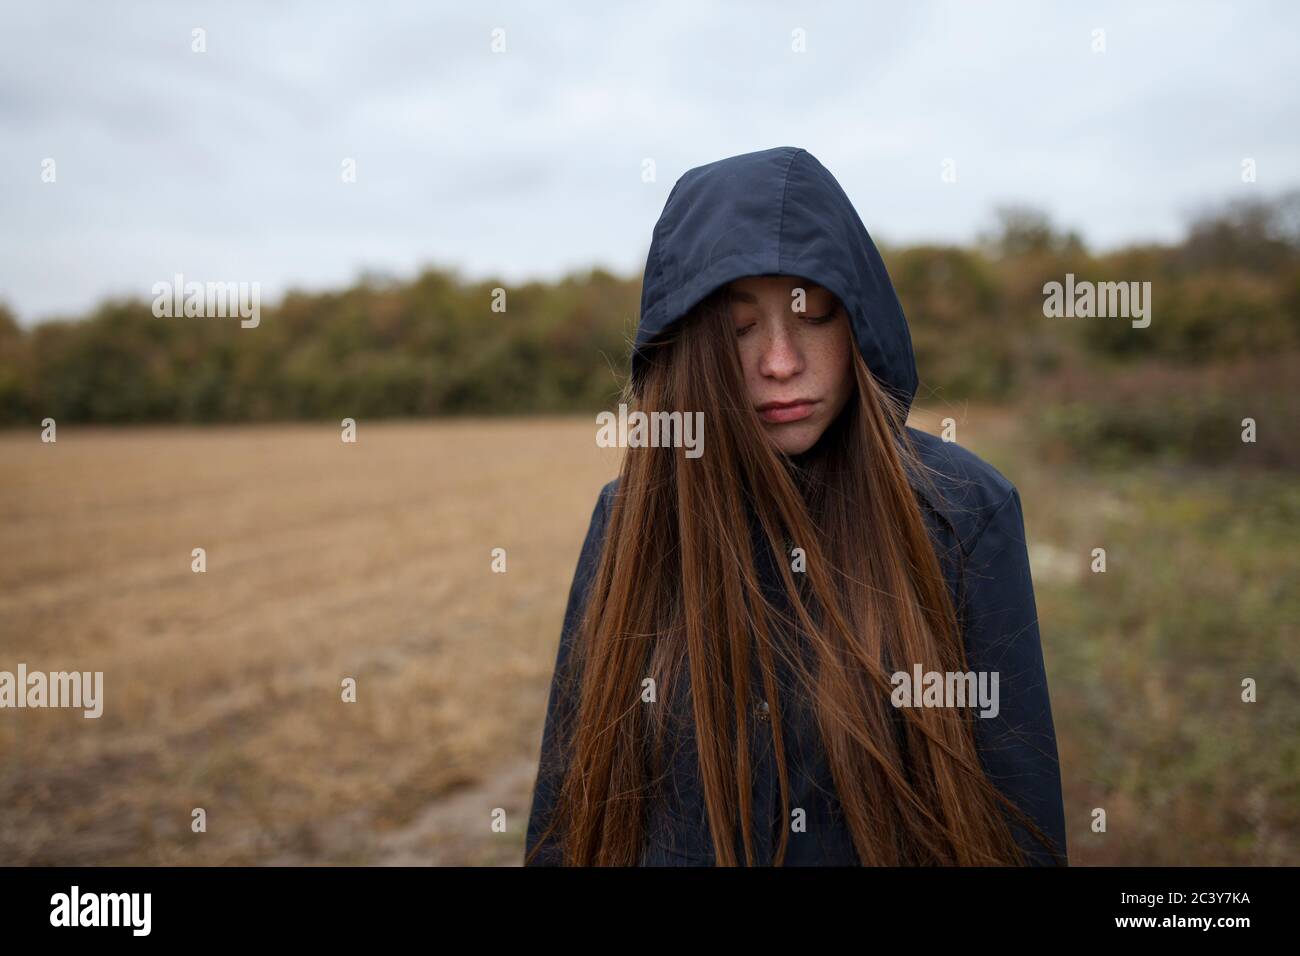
{"x": 798, "y": 364}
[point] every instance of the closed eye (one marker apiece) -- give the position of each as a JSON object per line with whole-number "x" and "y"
{"x": 811, "y": 319}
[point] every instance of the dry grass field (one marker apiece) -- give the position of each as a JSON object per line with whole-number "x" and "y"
{"x": 372, "y": 561}
{"x": 222, "y": 690}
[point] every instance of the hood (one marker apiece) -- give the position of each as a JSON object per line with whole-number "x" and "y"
{"x": 773, "y": 212}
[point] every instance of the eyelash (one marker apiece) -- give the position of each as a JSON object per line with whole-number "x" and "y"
{"x": 814, "y": 319}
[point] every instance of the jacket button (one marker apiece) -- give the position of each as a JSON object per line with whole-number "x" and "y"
{"x": 761, "y": 710}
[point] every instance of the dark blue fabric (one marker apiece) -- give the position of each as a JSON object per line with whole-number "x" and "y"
{"x": 774, "y": 212}
{"x": 779, "y": 211}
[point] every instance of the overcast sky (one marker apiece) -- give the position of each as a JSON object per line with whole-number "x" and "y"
{"x": 227, "y": 164}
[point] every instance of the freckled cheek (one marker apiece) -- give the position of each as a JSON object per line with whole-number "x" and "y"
{"x": 834, "y": 364}
{"x": 750, "y": 359}
{"x": 825, "y": 361}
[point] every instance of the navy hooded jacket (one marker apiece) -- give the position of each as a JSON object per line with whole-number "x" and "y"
{"x": 780, "y": 212}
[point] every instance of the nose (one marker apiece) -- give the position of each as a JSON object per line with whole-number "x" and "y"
{"x": 781, "y": 358}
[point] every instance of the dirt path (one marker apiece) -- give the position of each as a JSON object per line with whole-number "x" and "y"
{"x": 456, "y": 829}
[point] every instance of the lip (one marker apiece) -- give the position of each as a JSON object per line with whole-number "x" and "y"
{"x": 783, "y": 412}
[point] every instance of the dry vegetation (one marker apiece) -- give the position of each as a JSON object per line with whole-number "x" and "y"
{"x": 325, "y": 560}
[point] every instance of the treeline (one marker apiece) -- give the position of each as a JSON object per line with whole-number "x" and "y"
{"x": 378, "y": 349}
{"x": 1227, "y": 294}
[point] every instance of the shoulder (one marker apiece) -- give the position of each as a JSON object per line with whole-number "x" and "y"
{"x": 589, "y": 556}
{"x": 600, "y": 513}
{"x": 962, "y": 490}
{"x": 605, "y": 499}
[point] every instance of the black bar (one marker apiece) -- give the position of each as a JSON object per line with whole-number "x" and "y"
{"x": 332, "y": 905}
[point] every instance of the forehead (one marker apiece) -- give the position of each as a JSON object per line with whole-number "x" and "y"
{"x": 753, "y": 288}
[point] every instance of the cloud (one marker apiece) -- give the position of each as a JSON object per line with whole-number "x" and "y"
{"x": 527, "y": 163}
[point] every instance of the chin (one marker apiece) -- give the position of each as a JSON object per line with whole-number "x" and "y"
{"x": 796, "y": 437}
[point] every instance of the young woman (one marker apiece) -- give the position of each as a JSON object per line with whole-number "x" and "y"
{"x": 728, "y": 686}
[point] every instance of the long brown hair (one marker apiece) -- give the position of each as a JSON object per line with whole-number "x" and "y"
{"x": 678, "y": 586}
